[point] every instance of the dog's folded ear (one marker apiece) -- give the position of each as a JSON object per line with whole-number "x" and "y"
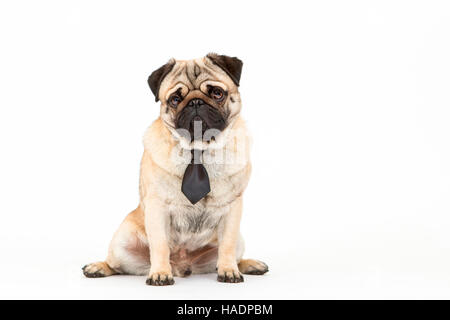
{"x": 157, "y": 76}
{"x": 231, "y": 65}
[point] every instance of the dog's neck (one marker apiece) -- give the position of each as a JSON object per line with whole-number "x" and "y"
{"x": 173, "y": 156}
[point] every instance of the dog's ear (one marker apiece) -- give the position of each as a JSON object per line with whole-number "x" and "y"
{"x": 231, "y": 65}
{"x": 157, "y": 76}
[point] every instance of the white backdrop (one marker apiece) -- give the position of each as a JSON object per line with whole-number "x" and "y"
{"x": 348, "y": 104}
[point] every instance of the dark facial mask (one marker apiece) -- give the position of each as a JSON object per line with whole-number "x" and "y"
{"x": 197, "y": 110}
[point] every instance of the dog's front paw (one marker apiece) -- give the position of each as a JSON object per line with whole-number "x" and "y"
{"x": 229, "y": 275}
{"x": 160, "y": 279}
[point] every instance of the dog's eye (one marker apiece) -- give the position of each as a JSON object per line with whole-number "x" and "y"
{"x": 216, "y": 93}
{"x": 174, "y": 100}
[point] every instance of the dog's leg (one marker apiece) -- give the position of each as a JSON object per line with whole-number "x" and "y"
{"x": 156, "y": 226}
{"x": 227, "y": 268}
{"x": 128, "y": 251}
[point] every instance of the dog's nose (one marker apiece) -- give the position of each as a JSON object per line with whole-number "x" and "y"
{"x": 195, "y": 102}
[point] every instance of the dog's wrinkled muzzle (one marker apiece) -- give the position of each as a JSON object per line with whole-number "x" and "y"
{"x": 198, "y": 110}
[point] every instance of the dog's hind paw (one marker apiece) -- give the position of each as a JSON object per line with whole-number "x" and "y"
{"x": 97, "y": 270}
{"x": 254, "y": 267}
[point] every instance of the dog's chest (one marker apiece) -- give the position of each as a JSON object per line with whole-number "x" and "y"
{"x": 194, "y": 227}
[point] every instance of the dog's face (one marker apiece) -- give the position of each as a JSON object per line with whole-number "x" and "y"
{"x": 199, "y": 95}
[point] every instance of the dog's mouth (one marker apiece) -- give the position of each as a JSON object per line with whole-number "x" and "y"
{"x": 201, "y": 120}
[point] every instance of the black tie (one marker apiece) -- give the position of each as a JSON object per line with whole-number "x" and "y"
{"x": 195, "y": 185}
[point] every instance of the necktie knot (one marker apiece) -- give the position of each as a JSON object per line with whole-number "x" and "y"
{"x": 196, "y": 156}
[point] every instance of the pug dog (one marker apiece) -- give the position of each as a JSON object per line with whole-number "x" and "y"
{"x": 193, "y": 174}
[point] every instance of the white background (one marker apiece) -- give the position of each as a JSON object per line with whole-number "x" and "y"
{"x": 348, "y": 103}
